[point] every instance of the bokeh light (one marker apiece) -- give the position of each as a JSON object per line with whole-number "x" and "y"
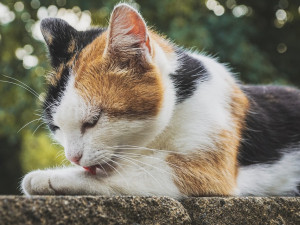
{"x": 215, "y": 7}
{"x": 81, "y": 20}
{"x": 281, "y": 48}
{"x": 30, "y": 61}
{"x": 6, "y": 16}
{"x": 240, "y": 10}
{"x": 19, "y": 6}
{"x": 281, "y": 15}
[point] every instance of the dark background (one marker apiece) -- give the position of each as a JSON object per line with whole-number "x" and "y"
{"x": 258, "y": 39}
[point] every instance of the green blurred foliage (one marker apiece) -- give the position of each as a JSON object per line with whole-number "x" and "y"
{"x": 259, "y": 40}
{"x": 39, "y": 152}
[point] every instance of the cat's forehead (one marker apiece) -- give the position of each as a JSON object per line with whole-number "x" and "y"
{"x": 92, "y": 56}
{"x": 130, "y": 92}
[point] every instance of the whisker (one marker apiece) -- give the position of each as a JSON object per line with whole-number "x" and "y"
{"x": 65, "y": 162}
{"x": 37, "y": 128}
{"x": 10, "y": 82}
{"x": 140, "y": 155}
{"x": 12, "y": 78}
{"x": 48, "y": 106}
{"x": 174, "y": 175}
{"x": 132, "y": 147}
{"x": 128, "y": 159}
{"x": 60, "y": 153}
{"x": 153, "y": 166}
{"x": 118, "y": 163}
{"x": 45, "y": 102}
{"x": 37, "y": 114}
{"x": 103, "y": 169}
{"x": 115, "y": 170}
{"x": 28, "y": 124}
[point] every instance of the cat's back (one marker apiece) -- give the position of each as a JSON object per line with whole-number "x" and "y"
{"x": 272, "y": 125}
{"x": 273, "y": 94}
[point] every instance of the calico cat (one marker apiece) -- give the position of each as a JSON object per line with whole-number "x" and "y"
{"x": 138, "y": 115}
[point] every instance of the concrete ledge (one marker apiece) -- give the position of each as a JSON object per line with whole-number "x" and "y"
{"x": 91, "y": 210}
{"x": 148, "y": 210}
{"x": 248, "y": 210}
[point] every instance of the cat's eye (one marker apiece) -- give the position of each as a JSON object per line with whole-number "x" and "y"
{"x": 53, "y": 128}
{"x": 90, "y": 124}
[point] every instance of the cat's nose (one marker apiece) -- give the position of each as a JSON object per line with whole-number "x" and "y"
{"x": 76, "y": 159}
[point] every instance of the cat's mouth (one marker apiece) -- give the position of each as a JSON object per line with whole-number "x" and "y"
{"x": 91, "y": 169}
{"x": 105, "y": 167}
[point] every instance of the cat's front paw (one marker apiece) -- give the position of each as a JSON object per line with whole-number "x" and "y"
{"x": 37, "y": 183}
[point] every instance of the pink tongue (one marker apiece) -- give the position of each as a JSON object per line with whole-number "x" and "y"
{"x": 91, "y": 169}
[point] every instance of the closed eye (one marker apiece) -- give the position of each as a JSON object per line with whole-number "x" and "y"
{"x": 90, "y": 124}
{"x": 53, "y": 128}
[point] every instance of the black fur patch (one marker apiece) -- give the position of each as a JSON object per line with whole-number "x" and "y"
{"x": 188, "y": 75}
{"x": 59, "y": 35}
{"x": 272, "y": 124}
{"x": 54, "y": 93}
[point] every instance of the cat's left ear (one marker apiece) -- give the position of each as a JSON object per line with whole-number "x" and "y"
{"x": 128, "y": 35}
{"x": 60, "y": 38}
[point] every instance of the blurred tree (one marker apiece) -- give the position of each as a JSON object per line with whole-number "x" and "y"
{"x": 259, "y": 40}
{"x": 33, "y": 147}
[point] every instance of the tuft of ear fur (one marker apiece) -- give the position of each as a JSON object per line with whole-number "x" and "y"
{"x": 128, "y": 35}
{"x": 60, "y": 38}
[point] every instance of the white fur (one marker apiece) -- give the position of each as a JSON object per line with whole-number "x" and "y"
{"x": 202, "y": 115}
{"x": 148, "y": 176}
{"x": 278, "y": 178}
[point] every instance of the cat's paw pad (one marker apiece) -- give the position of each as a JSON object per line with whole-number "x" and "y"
{"x": 37, "y": 183}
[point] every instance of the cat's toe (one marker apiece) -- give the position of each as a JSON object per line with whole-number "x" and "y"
{"x": 37, "y": 183}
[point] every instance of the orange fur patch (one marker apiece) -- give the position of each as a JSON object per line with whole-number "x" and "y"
{"x": 53, "y": 77}
{"x": 48, "y": 37}
{"x": 213, "y": 173}
{"x": 72, "y": 46}
{"x": 117, "y": 84}
{"x": 162, "y": 42}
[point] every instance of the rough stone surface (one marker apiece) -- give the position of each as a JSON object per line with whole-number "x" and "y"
{"x": 91, "y": 210}
{"x": 148, "y": 210}
{"x": 247, "y": 210}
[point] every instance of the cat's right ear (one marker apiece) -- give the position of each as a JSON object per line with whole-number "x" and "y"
{"x": 128, "y": 35}
{"x": 60, "y": 38}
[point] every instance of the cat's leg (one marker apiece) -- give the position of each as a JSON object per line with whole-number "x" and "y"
{"x": 173, "y": 175}
{"x": 149, "y": 175}
{"x": 61, "y": 181}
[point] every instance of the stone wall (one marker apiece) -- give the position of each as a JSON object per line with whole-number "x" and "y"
{"x": 148, "y": 210}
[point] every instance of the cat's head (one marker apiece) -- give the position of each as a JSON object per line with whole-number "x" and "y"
{"x": 108, "y": 88}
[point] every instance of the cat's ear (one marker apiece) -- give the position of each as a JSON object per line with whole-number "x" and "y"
{"x": 128, "y": 35}
{"x": 60, "y": 38}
